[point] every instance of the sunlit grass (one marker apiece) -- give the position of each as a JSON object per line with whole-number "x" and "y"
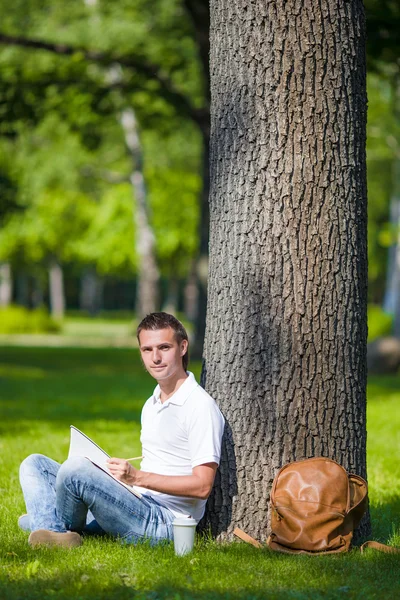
{"x": 102, "y": 391}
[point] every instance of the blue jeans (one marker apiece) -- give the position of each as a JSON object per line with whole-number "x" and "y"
{"x": 78, "y": 496}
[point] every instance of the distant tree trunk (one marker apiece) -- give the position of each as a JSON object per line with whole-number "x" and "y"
{"x": 22, "y": 289}
{"x": 171, "y": 301}
{"x": 391, "y": 303}
{"x": 37, "y": 294}
{"x": 56, "y": 290}
{"x": 190, "y": 296}
{"x": 201, "y": 271}
{"x": 148, "y": 274}
{"x": 285, "y": 348}
{"x": 91, "y": 292}
{"x": 392, "y": 293}
{"x": 147, "y": 297}
{"x": 6, "y": 284}
{"x": 199, "y": 11}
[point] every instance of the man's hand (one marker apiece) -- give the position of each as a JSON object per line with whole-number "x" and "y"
{"x": 122, "y": 470}
{"x": 196, "y": 485}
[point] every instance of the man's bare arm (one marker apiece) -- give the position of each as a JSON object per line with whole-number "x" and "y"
{"x": 196, "y": 485}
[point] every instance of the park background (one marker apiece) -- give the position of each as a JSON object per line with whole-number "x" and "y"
{"x": 103, "y": 214}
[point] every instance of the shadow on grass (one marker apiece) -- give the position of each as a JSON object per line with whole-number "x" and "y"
{"x": 378, "y": 384}
{"x": 64, "y": 385}
{"x": 385, "y": 518}
{"x": 265, "y": 575}
{"x": 69, "y": 358}
{"x": 69, "y": 384}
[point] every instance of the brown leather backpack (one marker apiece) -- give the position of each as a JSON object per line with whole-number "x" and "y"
{"x": 315, "y": 507}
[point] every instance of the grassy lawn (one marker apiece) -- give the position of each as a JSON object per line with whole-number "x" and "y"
{"x": 79, "y": 331}
{"x": 101, "y": 391}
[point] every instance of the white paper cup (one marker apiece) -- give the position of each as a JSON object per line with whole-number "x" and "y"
{"x": 184, "y": 530}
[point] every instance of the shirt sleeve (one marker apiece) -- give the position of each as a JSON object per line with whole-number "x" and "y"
{"x": 205, "y": 431}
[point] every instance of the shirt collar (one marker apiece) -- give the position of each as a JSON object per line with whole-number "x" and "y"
{"x": 181, "y": 394}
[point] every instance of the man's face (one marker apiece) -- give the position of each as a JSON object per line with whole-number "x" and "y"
{"x": 161, "y": 353}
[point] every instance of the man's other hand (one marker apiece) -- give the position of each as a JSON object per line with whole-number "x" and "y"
{"x": 196, "y": 485}
{"x": 122, "y": 470}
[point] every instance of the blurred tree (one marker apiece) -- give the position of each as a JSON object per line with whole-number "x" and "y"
{"x": 383, "y": 33}
{"x": 383, "y": 53}
{"x": 107, "y": 243}
{"x": 43, "y": 229}
{"x": 78, "y": 82}
{"x": 164, "y": 65}
{"x": 6, "y": 284}
{"x": 392, "y": 292}
{"x": 8, "y": 205}
{"x": 382, "y": 144}
{"x": 175, "y": 185}
{"x": 165, "y": 55}
{"x": 45, "y": 235}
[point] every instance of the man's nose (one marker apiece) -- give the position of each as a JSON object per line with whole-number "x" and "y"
{"x": 156, "y": 356}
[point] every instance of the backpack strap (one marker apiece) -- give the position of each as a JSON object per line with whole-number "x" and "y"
{"x": 246, "y": 537}
{"x": 380, "y": 547}
{"x": 370, "y": 544}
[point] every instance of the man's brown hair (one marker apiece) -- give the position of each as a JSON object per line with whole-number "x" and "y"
{"x": 162, "y": 320}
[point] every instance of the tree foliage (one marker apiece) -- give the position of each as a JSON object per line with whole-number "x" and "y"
{"x": 54, "y": 62}
{"x": 60, "y": 126}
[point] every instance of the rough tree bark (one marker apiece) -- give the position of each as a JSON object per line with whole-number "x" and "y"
{"x": 285, "y": 348}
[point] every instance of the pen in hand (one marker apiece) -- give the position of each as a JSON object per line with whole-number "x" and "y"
{"x": 134, "y": 458}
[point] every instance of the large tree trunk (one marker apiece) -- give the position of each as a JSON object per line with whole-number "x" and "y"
{"x": 285, "y": 348}
{"x": 6, "y": 287}
{"x": 56, "y": 290}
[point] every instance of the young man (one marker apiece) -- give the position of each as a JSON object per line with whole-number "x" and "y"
{"x": 181, "y": 437}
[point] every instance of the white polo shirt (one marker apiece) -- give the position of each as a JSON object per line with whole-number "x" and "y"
{"x": 182, "y": 433}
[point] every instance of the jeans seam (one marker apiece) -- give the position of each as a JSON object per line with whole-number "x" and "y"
{"x": 144, "y": 536}
{"x": 106, "y": 496}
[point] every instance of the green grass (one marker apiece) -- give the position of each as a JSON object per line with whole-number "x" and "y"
{"x": 79, "y": 331}
{"x": 101, "y": 391}
{"x": 85, "y": 327}
{"x": 116, "y": 329}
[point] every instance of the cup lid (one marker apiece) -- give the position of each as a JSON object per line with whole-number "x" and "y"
{"x": 184, "y": 521}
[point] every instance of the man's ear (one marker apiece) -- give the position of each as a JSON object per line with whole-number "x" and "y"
{"x": 184, "y": 347}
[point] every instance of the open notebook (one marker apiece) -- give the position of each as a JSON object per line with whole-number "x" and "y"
{"x": 81, "y": 445}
